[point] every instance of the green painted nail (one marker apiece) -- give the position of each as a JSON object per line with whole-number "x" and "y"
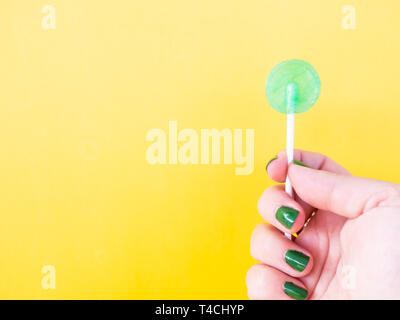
{"x": 294, "y": 291}
{"x": 299, "y": 163}
{"x": 297, "y": 260}
{"x": 274, "y": 158}
{"x": 286, "y": 216}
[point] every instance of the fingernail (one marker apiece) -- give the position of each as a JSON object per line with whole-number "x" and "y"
{"x": 297, "y": 260}
{"x": 294, "y": 291}
{"x": 299, "y": 163}
{"x": 286, "y": 216}
{"x": 266, "y": 167}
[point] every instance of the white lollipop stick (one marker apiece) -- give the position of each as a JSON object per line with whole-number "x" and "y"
{"x": 291, "y": 96}
{"x": 289, "y": 149}
{"x": 289, "y": 153}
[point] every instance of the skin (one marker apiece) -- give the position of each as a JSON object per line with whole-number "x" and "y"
{"x": 352, "y": 240}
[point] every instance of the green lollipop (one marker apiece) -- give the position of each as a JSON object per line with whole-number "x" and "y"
{"x": 290, "y": 75}
{"x": 293, "y": 86}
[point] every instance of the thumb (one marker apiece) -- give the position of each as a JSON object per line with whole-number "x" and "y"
{"x": 344, "y": 195}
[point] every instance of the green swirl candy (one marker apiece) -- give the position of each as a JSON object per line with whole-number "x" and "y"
{"x": 293, "y": 86}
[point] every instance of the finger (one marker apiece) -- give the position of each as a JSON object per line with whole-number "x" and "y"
{"x": 342, "y": 194}
{"x": 266, "y": 283}
{"x": 279, "y": 209}
{"x": 277, "y": 169}
{"x": 269, "y": 247}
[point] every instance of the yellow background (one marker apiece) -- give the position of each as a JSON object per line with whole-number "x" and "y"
{"x": 76, "y": 103}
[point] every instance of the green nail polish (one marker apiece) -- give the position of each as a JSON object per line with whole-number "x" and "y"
{"x": 294, "y": 291}
{"x": 286, "y": 216}
{"x": 297, "y": 260}
{"x": 299, "y": 163}
{"x": 274, "y": 158}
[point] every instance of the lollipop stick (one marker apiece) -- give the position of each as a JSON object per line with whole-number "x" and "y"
{"x": 289, "y": 153}
{"x": 289, "y": 149}
{"x": 291, "y": 101}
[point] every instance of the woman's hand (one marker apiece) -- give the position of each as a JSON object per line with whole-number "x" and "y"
{"x": 348, "y": 250}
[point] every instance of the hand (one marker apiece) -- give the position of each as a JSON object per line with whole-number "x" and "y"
{"x": 348, "y": 250}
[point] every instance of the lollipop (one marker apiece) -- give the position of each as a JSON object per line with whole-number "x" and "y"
{"x": 293, "y": 86}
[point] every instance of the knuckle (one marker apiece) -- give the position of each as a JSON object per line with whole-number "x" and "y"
{"x": 267, "y": 195}
{"x": 255, "y": 236}
{"x": 256, "y": 276}
{"x": 390, "y": 193}
{"x": 261, "y": 203}
{"x": 250, "y": 276}
{"x": 257, "y": 281}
